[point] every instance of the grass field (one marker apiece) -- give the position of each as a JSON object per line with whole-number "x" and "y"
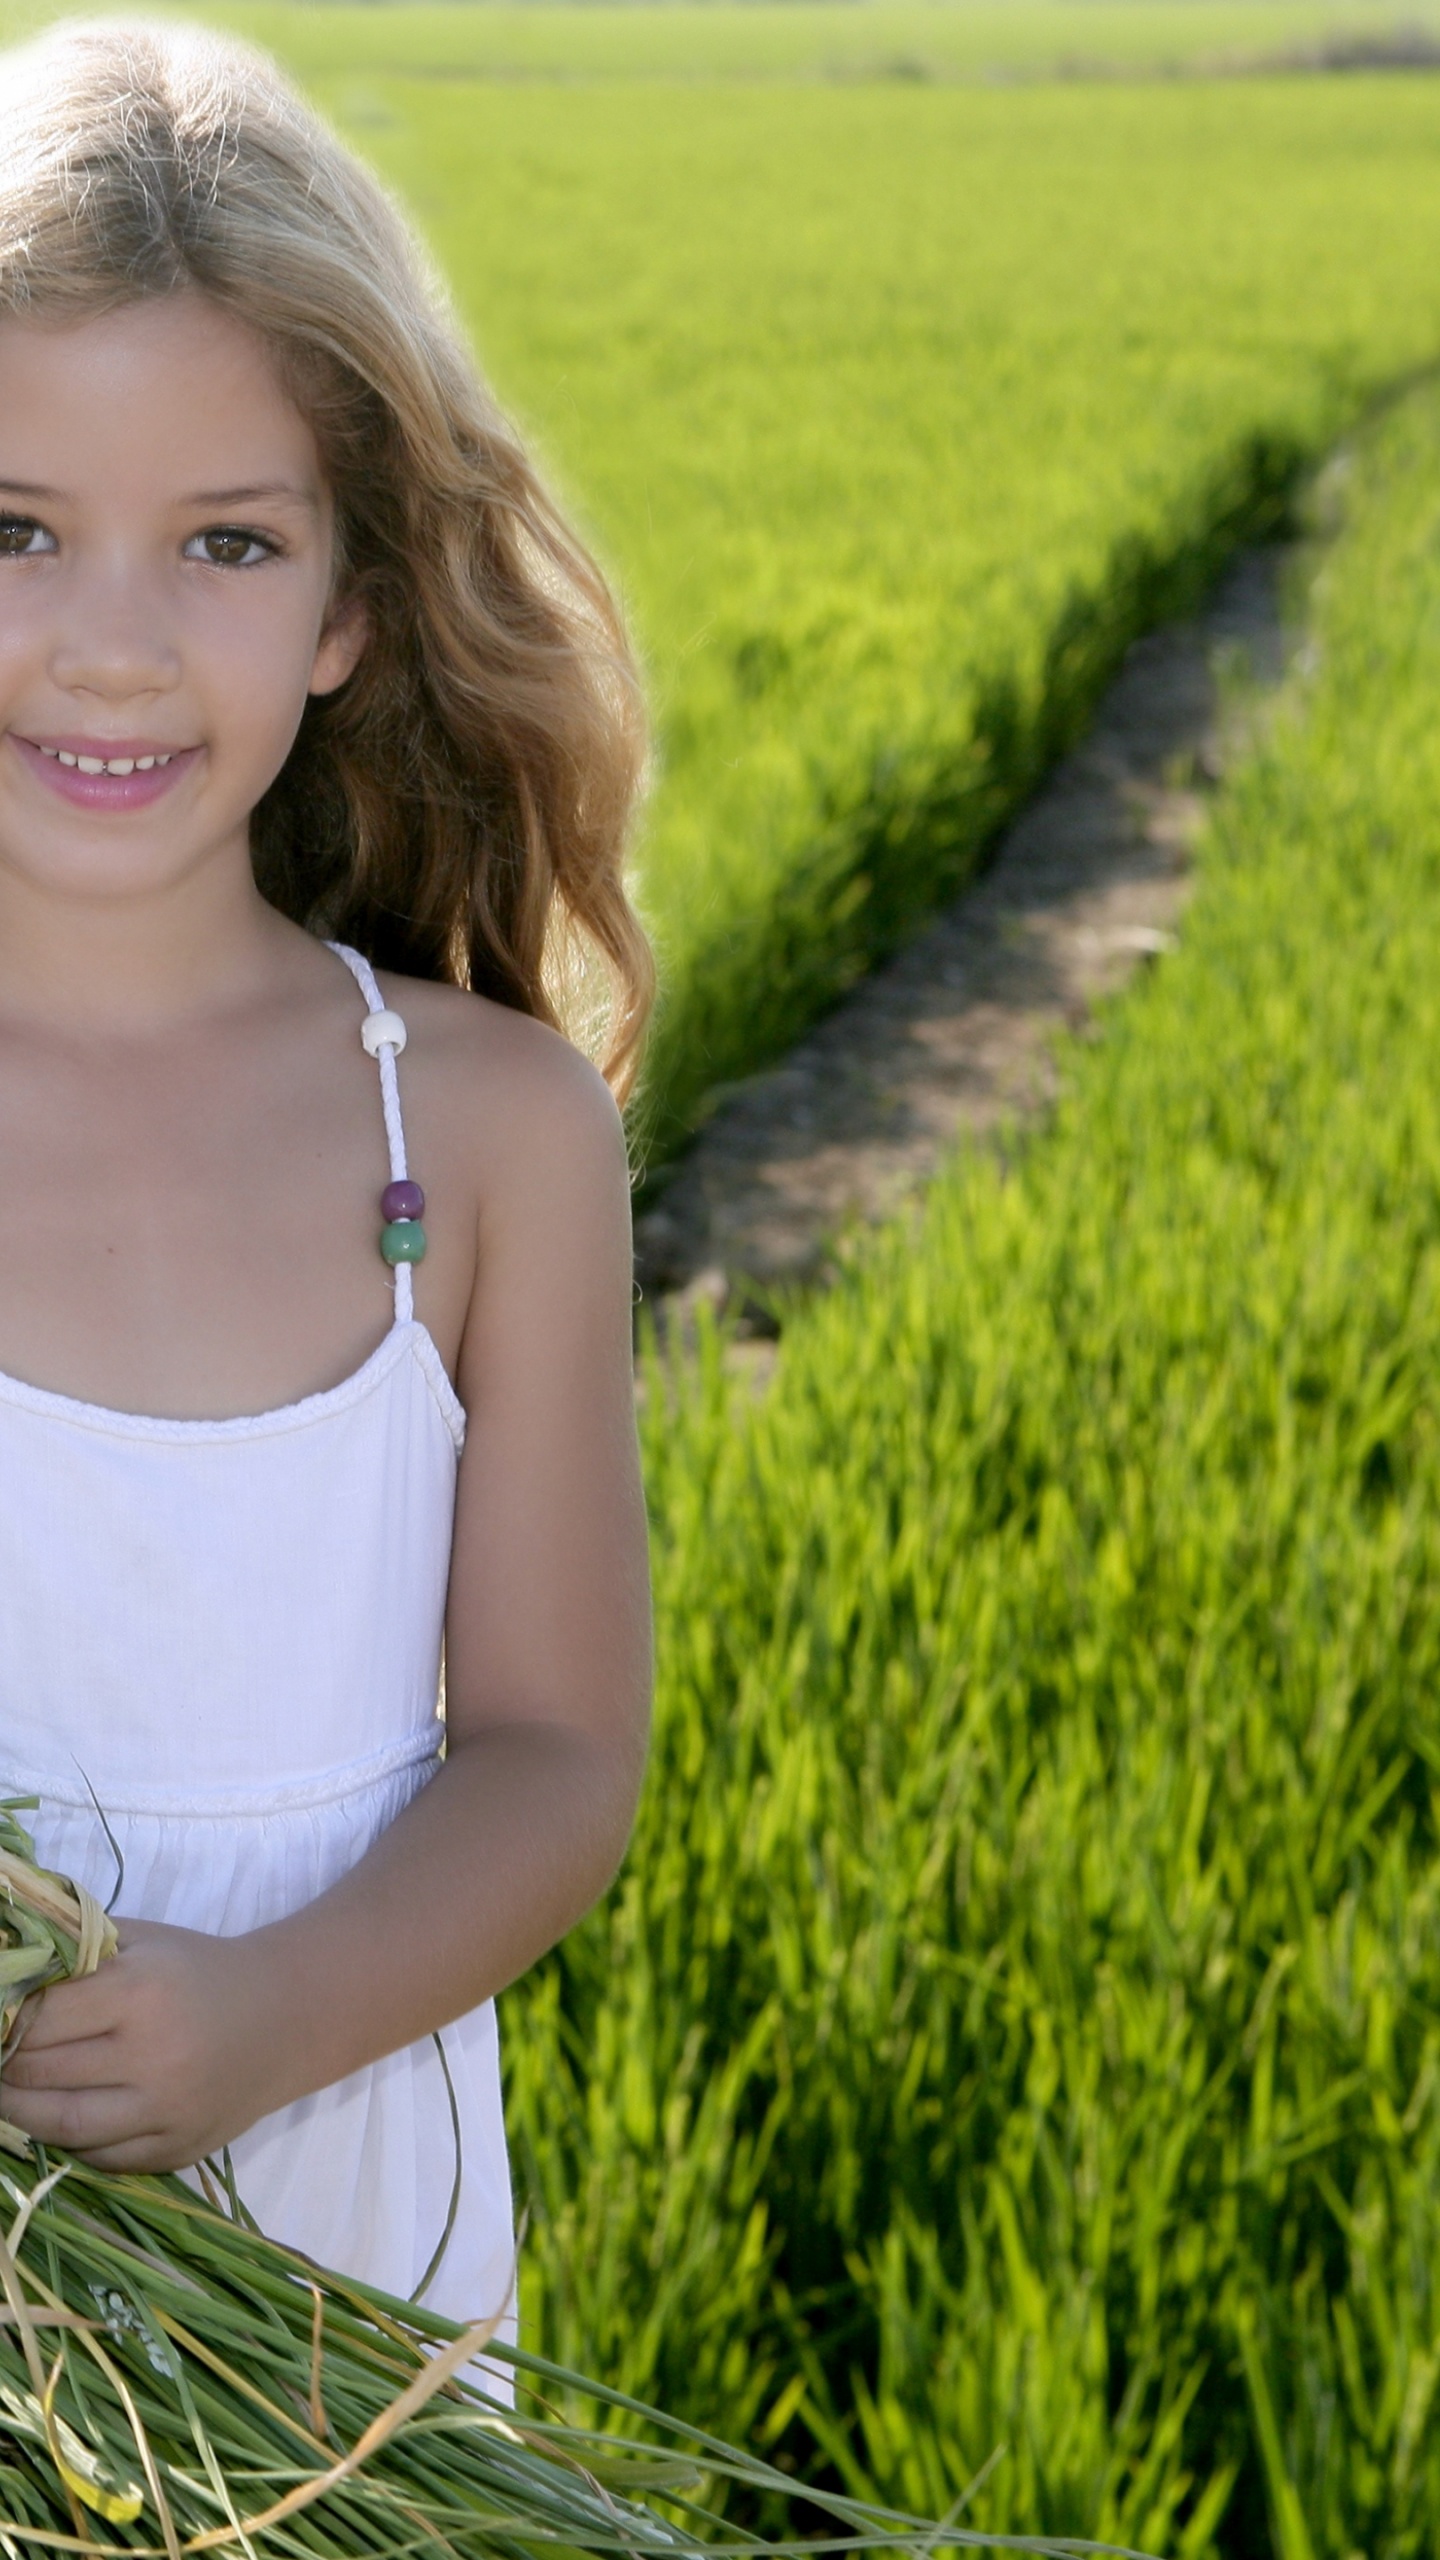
{"x": 898, "y": 409}
{"x": 1018, "y": 2022}
{"x": 574, "y": 40}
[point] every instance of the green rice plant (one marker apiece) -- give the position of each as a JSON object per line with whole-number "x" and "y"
{"x": 899, "y": 409}
{"x": 899, "y": 40}
{"x": 1017, "y": 2031}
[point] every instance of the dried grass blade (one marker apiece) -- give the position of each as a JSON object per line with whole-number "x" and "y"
{"x": 214, "y": 2470}
{"x": 27, "y": 2205}
{"x": 119, "y": 2511}
{"x": 46, "y": 2319}
{"x": 437, "y": 2373}
{"x": 185, "y": 2338}
{"x": 143, "y": 2448}
{"x": 97, "y": 1932}
{"x": 51, "y": 2541}
{"x": 34, "y": 2366}
{"x": 51, "y": 1897}
{"x": 117, "y": 2506}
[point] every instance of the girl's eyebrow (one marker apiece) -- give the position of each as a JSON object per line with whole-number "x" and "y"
{"x": 264, "y": 490}
{"x": 269, "y": 489}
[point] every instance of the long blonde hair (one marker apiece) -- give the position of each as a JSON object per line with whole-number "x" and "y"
{"x": 458, "y": 809}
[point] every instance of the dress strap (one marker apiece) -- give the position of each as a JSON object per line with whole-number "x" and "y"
{"x": 384, "y": 1049}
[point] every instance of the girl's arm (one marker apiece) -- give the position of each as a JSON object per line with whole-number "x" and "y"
{"x": 185, "y": 2040}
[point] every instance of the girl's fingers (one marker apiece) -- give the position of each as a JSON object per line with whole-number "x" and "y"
{"x": 148, "y": 2153}
{"x": 86, "y": 2062}
{"x": 83, "y": 2120}
{"x": 66, "y": 2011}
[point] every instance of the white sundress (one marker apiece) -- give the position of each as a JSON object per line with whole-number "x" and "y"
{"x": 228, "y": 1635}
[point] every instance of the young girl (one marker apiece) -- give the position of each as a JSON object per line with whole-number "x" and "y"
{"x": 317, "y": 742}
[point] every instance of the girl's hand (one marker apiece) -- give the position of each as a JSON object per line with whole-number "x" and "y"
{"x": 161, "y": 2057}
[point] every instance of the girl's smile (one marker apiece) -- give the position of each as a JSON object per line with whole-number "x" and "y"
{"x": 108, "y": 774}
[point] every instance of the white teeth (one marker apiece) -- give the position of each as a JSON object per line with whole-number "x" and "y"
{"x": 119, "y": 766}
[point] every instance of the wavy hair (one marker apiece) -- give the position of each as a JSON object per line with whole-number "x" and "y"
{"x": 458, "y": 809}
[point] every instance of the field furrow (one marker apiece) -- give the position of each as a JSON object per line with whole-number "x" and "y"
{"x": 1017, "y": 2023}
{"x": 899, "y": 410}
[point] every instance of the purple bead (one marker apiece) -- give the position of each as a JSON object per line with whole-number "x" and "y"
{"x": 401, "y": 1200}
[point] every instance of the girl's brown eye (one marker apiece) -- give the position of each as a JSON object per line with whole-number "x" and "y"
{"x": 21, "y": 535}
{"x": 229, "y": 546}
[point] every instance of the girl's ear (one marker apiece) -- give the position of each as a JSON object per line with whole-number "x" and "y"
{"x": 342, "y": 644}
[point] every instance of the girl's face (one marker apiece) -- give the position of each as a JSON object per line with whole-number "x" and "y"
{"x": 165, "y": 607}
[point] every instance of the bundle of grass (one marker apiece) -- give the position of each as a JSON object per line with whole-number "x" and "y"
{"x": 172, "y": 2383}
{"x": 49, "y": 1930}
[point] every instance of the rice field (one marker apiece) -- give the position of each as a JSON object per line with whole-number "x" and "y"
{"x": 1017, "y": 2033}
{"x": 975, "y": 40}
{"x": 897, "y": 408}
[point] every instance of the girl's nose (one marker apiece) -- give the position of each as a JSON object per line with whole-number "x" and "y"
{"x": 114, "y": 645}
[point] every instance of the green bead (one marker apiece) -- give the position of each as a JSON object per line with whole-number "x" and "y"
{"x": 403, "y": 1240}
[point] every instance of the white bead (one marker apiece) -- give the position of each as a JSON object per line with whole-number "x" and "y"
{"x": 383, "y": 1030}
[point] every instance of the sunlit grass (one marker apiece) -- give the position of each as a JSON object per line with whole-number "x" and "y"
{"x": 898, "y": 410}
{"x": 1020, "y": 2021}
{"x": 807, "y": 39}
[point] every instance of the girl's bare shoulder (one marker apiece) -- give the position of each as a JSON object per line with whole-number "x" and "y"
{"x": 512, "y": 1099}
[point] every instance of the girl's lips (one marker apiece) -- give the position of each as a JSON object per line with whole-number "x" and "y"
{"x": 105, "y": 791}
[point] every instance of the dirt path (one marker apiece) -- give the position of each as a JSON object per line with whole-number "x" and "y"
{"x": 1087, "y": 885}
